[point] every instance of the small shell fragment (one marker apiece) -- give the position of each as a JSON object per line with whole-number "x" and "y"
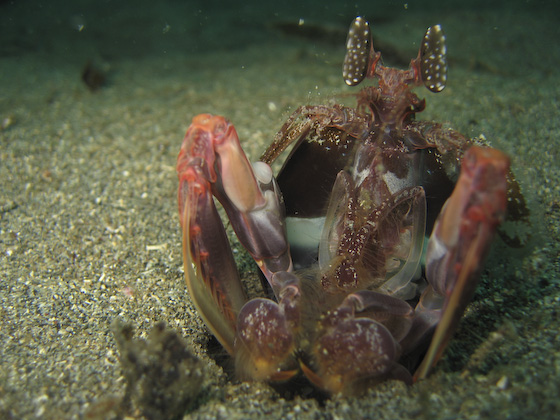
{"x": 503, "y": 383}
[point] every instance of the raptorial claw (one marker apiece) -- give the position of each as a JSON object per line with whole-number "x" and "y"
{"x": 210, "y": 270}
{"x": 460, "y": 241}
{"x": 212, "y": 163}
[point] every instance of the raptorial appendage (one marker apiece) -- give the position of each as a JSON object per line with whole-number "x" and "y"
{"x": 212, "y": 164}
{"x": 460, "y": 240}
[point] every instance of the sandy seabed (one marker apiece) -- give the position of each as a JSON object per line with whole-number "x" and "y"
{"x": 89, "y": 227}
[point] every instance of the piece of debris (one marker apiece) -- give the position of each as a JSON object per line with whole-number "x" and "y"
{"x": 163, "y": 377}
{"x": 93, "y": 76}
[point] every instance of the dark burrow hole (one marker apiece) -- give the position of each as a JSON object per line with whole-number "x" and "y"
{"x": 221, "y": 357}
{"x": 297, "y": 386}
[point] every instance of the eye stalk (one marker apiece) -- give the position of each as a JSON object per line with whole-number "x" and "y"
{"x": 361, "y": 60}
{"x": 358, "y": 52}
{"x": 433, "y": 59}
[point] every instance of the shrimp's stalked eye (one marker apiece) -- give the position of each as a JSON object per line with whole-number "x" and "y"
{"x": 434, "y": 59}
{"x": 358, "y": 50}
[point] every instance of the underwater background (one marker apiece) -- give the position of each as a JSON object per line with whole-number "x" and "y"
{"x": 95, "y": 98}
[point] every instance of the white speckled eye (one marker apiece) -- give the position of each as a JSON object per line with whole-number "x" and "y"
{"x": 356, "y": 61}
{"x": 434, "y": 59}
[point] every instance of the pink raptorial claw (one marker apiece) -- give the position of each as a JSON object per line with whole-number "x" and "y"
{"x": 460, "y": 241}
{"x": 210, "y": 270}
{"x": 212, "y": 163}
